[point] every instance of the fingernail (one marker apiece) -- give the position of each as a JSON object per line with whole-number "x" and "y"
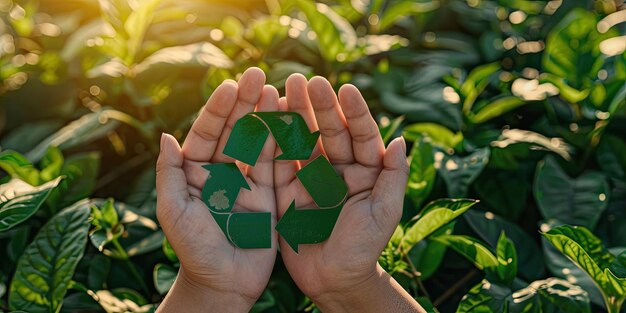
{"x": 162, "y": 141}
{"x": 403, "y": 144}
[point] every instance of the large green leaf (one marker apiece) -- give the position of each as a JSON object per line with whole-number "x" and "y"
{"x": 85, "y": 129}
{"x": 18, "y": 166}
{"x": 45, "y": 269}
{"x": 486, "y": 297}
{"x": 471, "y": 249}
{"x": 459, "y": 172}
{"x": 488, "y": 226}
{"x": 435, "y": 215}
{"x": 496, "y": 108}
{"x": 572, "y": 47}
{"x": 421, "y": 171}
{"x": 81, "y": 172}
{"x": 551, "y": 295}
{"x": 612, "y": 157}
{"x": 202, "y": 54}
{"x": 335, "y": 35}
{"x": 588, "y": 252}
{"x": 19, "y": 201}
{"x": 577, "y": 201}
{"x": 440, "y": 135}
{"x": 513, "y": 190}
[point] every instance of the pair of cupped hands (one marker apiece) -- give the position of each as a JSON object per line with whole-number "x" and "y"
{"x": 340, "y": 274}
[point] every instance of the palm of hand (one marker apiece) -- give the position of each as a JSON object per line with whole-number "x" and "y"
{"x": 351, "y": 142}
{"x": 207, "y": 257}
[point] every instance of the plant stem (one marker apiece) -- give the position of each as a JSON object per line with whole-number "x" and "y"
{"x": 131, "y": 266}
{"x": 455, "y": 287}
{"x": 417, "y": 275}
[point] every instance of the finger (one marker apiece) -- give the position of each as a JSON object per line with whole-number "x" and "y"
{"x": 206, "y": 130}
{"x": 171, "y": 184}
{"x": 388, "y": 192}
{"x": 262, "y": 174}
{"x": 331, "y": 122}
{"x": 250, "y": 87}
{"x": 298, "y": 101}
{"x": 284, "y": 170}
{"x": 367, "y": 144}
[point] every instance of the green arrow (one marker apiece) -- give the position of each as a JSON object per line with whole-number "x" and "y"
{"x": 288, "y": 129}
{"x": 329, "y": 191}
{"x": 244, "y": 230}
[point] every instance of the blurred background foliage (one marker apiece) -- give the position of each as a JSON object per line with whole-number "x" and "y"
{"x": 520, "y": 104}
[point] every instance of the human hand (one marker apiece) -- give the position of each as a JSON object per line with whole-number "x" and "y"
{"x": 339, "y": 273}
{"x": 215, "y": 274}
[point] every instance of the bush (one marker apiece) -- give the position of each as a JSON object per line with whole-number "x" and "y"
{"x": 520, "y": 104}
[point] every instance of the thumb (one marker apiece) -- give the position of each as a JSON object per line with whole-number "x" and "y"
{"x": 171, "y": 183}
{"x": 388, "y": 193}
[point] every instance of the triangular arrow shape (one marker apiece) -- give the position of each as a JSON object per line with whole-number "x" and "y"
{"x": 288, "y": 129}
{"x": 329, "y": 192}
{"x": 244, "y": 230}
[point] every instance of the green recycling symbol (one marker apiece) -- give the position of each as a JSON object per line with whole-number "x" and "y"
{"x": 252, "y": 230}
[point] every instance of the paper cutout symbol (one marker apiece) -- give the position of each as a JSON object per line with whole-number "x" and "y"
{"x": 329, "y": 191}
{"x": 252, "y": 230}
{"x": 288, "y": 129}
{"x": 243, "y": 229}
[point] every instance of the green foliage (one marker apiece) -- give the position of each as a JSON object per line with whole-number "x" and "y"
{"x": 520, "y": 104}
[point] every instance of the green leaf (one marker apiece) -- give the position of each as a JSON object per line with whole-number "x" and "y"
{"x": 146, "y": 244}
{"x": 51, "y": 164}
{"x": 471, "y": 249}
{"x": 201, "y": 54}
{"x": 400, "y": 9}
{"x": 390, "y": 128}
{"x": 17, "y": 166}
{"x": 485, "y": 297}
{"x": 421, "y": 171}
{"x": 588, "y": 252}
{"x": 335, "y": 35}
{"x": 18, "y": 243}
{"x": 475, "y": 83}
{"x": 513, "y": 190}
{"x": 435, "y": 215}
{"x": 169, "y": 252}
{"x": 577, "y": 201}
{"x": 163, "y": 276}
{"x": 507, "y": 259}
{"x": 552, "y": 295}
{"x": 524, "y": 140}
{"x": 45, "y": 269}
{"x": 440, "y": 135}
{"x": 568, "y": 93}
{"x": 612, "y": 157}
{"x": 618, "y": 267}
{"x": 80, "y": 172}
{"x": 19, "y": 201}
{"x": 87, "y": 128}
{"x": 98, "y": 272}
{"x": 572, "y": 48}
{"x": 489, "y": 226}
{"x": 459, "y": 172}
{"x": 109, "y": 214}
{"x": 427, "y": 305}
{"x": 496, "y": 108}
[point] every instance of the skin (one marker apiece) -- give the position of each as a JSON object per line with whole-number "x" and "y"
{"x": 340, "y": 274}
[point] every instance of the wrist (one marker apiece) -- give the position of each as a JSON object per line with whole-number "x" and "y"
{"x": 378, "y": 292}
{"x": 348, "y": 299}
{"x": 194, "y": 297}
